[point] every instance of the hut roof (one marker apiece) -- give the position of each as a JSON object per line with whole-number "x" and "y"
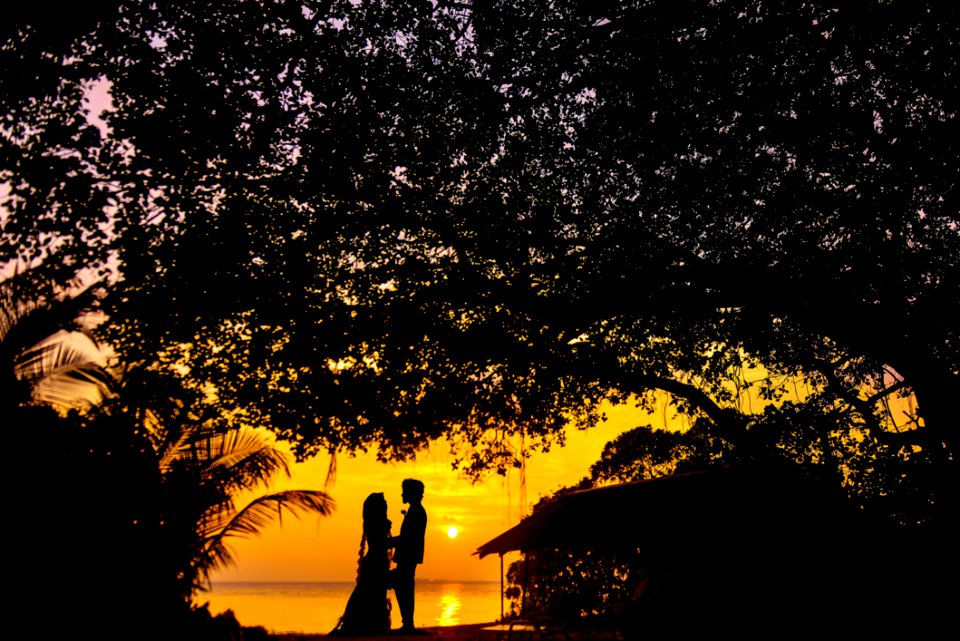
{"x": 728, "y": 499}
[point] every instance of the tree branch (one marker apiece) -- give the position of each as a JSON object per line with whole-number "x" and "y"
{"x": 730, "y": 422}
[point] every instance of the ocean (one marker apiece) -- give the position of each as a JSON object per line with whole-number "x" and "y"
{"x": 315, "y": 607}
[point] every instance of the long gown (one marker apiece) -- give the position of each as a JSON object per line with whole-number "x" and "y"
{"x": 368, "y": 608}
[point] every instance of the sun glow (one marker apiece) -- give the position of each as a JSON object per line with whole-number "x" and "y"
{"x": 453, "y": 531}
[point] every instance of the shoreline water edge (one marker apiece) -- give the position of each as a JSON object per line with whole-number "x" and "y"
{"x": 313, "y": 607}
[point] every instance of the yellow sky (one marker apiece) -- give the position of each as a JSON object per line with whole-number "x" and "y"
{"x": 326, "y": 548}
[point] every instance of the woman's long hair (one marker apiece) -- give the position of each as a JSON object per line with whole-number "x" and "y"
{"x": 374, "y": 510}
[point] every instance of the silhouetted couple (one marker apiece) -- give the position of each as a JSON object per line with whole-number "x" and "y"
{"x": 368, "y": 609}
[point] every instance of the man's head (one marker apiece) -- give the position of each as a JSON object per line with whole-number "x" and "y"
{"x": 411, "y": 490}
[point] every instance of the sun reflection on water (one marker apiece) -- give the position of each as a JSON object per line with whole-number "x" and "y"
{"x": 449, "y": 609}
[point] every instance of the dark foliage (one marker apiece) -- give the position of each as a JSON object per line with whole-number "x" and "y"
{"x": 382, "y": 224}
{"x": 377, "y": 224}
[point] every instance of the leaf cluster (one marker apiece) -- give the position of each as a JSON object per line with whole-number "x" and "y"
{"x": 376, "y": 225}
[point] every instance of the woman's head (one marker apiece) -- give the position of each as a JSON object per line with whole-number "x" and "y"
{"x": 375, "y": 507}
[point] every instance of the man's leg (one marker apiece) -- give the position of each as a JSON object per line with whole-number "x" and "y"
{"x": 404, "y": 591}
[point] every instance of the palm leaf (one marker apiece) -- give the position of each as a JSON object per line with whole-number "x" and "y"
{"x": 252, "y": 519}
{"x": 57, "y": 353}
{"x": 41, "y": 343}
{"x": 247, "y": 460}
{"x": 222, "y": 465}
{"x": 235, "y": 460}
{"x": 244, "y": 472}
{"x": 28, "y": 317}
{"x": 80, "y": 386}
{"x": 65, "y": 370}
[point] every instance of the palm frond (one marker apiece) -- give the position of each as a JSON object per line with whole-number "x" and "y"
{"x": 262, "y": 510}
{"x": 30, "y": 311}
{"x": 218, "y": 466}
{"x": 65, "y": 370}
{"x": 257, "y": 468}
{"x": 59, "y": 352}
{"x": 174, "y": 439}
{"x": 252, "y": 519}
{"x": 81, "y": 386}
{"x": 43, "y": 344}
{"x": 238, "y": 459}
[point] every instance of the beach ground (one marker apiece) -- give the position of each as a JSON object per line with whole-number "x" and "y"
{"x": 469, "y": 632}
{"x": 445, "y": 633}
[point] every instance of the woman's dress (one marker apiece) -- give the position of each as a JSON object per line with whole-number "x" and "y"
{"x": 368, "y": 608}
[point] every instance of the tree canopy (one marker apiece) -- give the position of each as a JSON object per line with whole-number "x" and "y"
{"x": 377, "y": 224}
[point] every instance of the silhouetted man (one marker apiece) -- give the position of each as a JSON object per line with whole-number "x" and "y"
{"x": 408, "y": 551}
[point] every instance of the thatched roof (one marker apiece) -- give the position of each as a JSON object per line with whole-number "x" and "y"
{"x": 671, "y": 509}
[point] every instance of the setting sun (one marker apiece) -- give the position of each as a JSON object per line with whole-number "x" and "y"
{"x": 453, "y": 531}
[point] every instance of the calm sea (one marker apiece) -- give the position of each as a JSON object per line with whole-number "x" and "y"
{"x": 314, "y": 608}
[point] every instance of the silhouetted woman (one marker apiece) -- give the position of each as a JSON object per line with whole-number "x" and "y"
{"x": 368, "y": 608}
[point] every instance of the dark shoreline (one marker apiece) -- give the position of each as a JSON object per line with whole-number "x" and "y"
{"x": 465, "y": 632}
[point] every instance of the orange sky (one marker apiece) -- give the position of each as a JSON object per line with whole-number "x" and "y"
{"x": 325, "y": 549}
